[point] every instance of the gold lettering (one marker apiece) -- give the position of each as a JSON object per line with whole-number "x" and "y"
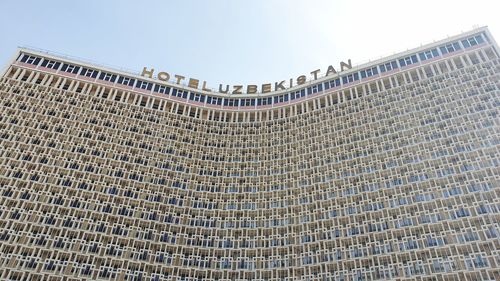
{"x": 204, "y": 87}
{"x": 301, "y": 79}
{"x": 330, "y": 70}
{"x": 279, "y": 85}
{"x": 193, "y": 83}
{"x": 266, "y": 88}
{"x": 315, "y": 73}
{"x": 251, "y": 89}
{"x": 147, "y": 73}
{"x": 163, "y": 76}
{"x": 179, "y": 78}
{"x": 237, "y": 89}
{"x": 221, "y": 91}
{"x": 347, "y": 65}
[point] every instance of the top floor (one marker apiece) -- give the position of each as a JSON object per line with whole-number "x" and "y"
{"x": 336, "y": 81}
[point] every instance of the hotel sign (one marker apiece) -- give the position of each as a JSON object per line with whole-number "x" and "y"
{"x": 242, "y": 89}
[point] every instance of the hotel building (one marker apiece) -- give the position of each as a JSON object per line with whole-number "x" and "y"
{"x": 387, "y": 170}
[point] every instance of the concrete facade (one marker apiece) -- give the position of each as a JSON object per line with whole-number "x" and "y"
{"x": 389, "y": 170}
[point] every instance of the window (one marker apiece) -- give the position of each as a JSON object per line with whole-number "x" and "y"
{"x": 449, "y": 48}
{"x": 332, "y": 83}
{"x": 472, "y": 41}
{"x": 369, "y": 72}
{"x": 428, "y": 54}
{"x": 232, "y": 102}
{"x": 280, "y": 99}
{"x": 30, "y": 59}
{"x": 144, "y": 85}
{"x": 264, "y": 101}
{"x": 408, "y": 60}
{"x": 350, "y": 78}
{"x": 219, "y": 101}
{"x": 70, "y": 68}
{"x": 388, "y": 66}
{"x": 315, "y": 89}
{"x": 248, "y": 102}
{"x": 214, "y": 100}
{"x": 196, "y": 97}
{"x": 107, "y": 77}
{"x": 162, "y": 89}
{"x": 89, "y": 72}
{"x": 177, "y": 93}
{"x": 126, "y": 81}
{"x": 479, "y": 39}
{"x": 51, "y": 64}
{"x": 180, "y": 93}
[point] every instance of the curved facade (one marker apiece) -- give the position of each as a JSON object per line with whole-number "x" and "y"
{"x": 389, "y": 170}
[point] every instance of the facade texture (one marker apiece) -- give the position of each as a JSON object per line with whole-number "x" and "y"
{"x": 390, "y": 170}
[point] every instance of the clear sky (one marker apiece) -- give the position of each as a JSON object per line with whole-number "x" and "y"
{"x": 235, "y": 41}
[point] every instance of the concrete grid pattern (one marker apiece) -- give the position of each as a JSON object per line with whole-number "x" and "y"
{"x": 395, "y": 178}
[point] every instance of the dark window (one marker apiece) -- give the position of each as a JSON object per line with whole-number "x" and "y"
{"x": 143, "y": 85}
{"x": 30, "y": 59}
{"x": 51, "y": 64}
{"x": 388, "y": 66}
{"x": 107, "y": 77}
{"x": 161, "y": 89}
{"x": 408, "y": 60}
{"x": 126, "y": 81}
{"x": 89, "y": 72}
{"x": 337, "y": 82}
{"x": 449, "y": 48}
{"x": 350, "y": 78}
{"x": 70, "y": 68}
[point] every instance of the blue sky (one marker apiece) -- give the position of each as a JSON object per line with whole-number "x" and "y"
{"x": 235, "y": 41}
